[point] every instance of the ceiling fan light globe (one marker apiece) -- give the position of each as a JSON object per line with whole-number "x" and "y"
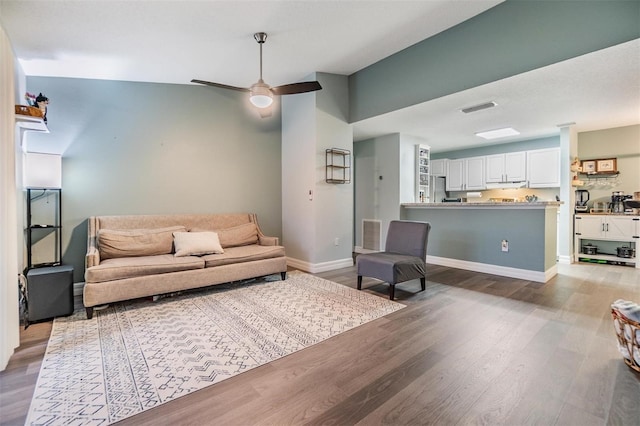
{"x": 261, "y": 101}
{"x": 261, "y": 95}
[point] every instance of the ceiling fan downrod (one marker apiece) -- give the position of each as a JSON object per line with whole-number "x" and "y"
{"x": 260, "y": 38}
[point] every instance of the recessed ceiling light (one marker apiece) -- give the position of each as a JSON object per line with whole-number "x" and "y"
{"x": 479, "y": 107}
{"x": 498, "y": 133}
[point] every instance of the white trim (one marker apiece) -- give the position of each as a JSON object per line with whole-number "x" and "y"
{"x": 319, "y": 267}
{"x": 565, "y": 259}
{"x": 523, "y": 274}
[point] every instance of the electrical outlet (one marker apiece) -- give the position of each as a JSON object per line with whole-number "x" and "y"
{"x": 336, "y": 242}
{"x": 505, "y": 245}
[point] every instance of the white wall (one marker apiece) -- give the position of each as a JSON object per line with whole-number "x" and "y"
{"x": 298, "y": 175}
{"x": 334, "y": 202}
{"x": 10, "y": 226}
{"x": 312, "y": 123}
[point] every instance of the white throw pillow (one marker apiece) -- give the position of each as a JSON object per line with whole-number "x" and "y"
{"x": 196, "y": 243}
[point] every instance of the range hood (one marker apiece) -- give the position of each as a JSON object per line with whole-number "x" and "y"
{"x": 506, "y": 185}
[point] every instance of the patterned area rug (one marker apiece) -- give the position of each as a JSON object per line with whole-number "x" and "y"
{"x": 133, "y": 356}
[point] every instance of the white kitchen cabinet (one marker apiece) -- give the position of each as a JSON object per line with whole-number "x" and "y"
{"x": 509, "y": 167}
{"x": 543, "y": 168}
{"x": 617, "y": 228}
{"x": 455, "y": 175}
{"x": 474, "y": 170}
{"x": 465, "y": 174}
{"x": 439, "y": 167}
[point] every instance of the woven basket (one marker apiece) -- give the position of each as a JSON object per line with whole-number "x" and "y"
{"x": 628, "y": 333}
{"x": 28, "y": 110}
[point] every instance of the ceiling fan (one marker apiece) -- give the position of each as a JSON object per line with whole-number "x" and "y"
{"x": 261, "y": 94}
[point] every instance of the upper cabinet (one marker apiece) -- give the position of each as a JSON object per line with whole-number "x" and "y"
{"x": 543, "y": 168}
{"x": 538, "y": 168}
{"x": 455, "y": 175}
{"x": 465, "y": 174}
{"x": 439, "y": 167}
{"x": 474, "y": 168}
{"x": 509, "y": 167}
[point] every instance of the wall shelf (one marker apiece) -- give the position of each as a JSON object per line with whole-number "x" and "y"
{"x": 28, "y": 122}
{"x": 338, "y": 165}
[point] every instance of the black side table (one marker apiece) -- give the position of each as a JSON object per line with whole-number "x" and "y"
{"x": 49, "y": 292}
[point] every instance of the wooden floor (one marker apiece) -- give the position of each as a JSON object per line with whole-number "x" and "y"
{"x": 472, "y": 349}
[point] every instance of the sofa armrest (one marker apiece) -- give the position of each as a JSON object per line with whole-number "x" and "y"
{"x": 267, "y": 241}
{"x": 93, "y": 257}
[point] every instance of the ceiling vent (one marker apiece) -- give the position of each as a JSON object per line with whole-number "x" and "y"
{"x": 479, "y": 107}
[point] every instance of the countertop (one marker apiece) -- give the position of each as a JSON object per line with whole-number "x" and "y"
{"x": 485, "y": 204}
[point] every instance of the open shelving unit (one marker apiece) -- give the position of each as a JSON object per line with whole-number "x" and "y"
{"x": 337, "y": 165}
{"x": 44, "y": 213}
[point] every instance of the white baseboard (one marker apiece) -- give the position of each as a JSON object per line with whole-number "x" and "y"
{"x": 319, "y": 267}
{"x": 77, "y": 289}
{"x": 565, "y": 259}
{"x": 523, "y": 274}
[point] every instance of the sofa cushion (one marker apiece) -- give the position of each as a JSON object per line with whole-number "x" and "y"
{"x": 196, "y": 243}
{"x": 243, "y": 254}
{"x": 240, "y": 235}
{"x": 117, "y": 243}
{"x": 128, "y": 267}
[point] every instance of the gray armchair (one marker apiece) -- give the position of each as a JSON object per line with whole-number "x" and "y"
{"x": 404, "y": 257}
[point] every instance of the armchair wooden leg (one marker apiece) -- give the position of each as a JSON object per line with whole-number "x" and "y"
{"x": 359, "y": 282}
{"x": 89, "y": 312}
{"x": 283, "y": 275}
{"x": 392, "y": 291}
{"x": 423, "y": 283}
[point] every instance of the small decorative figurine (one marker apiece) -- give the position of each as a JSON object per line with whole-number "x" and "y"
{"x": 42, "y": 102}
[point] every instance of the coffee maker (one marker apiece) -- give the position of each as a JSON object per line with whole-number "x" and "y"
{"x": 582, "y": 196}
{"x": 617, "y": 202}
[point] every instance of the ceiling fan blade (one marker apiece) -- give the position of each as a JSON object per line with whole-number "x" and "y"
{"x": 223, "y": 86}
{"x": 265, "y": 112}
{"x": 293, "y": 88}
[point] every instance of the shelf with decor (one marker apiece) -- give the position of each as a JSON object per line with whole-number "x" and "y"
{"x": 423, "y": 165}
{"x": 337, "y": 165}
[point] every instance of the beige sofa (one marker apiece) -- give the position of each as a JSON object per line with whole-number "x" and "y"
{"x": 135, "y": 256}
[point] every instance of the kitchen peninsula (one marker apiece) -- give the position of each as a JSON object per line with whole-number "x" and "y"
{"x": 514, "y": 239}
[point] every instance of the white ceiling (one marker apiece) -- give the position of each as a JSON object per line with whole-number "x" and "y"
{"x": 175, "y": 41}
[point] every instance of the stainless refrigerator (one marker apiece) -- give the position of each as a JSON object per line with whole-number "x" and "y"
{"x": 437, "y": 189}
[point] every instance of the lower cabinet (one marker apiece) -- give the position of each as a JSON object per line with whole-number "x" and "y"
{"x": 606, "y": 233}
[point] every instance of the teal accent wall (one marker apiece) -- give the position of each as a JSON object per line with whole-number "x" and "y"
{"x": 474, "y": 235}
{"x": 147, "y": 148}
{"x": 530, "y": 144}
{"x": 511, "y": 38}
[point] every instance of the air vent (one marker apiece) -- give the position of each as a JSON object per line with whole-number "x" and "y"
{"x": 479, "y": 107}
{"x": 371, "y": 234}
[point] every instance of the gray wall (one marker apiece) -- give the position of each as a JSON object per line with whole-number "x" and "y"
{"x": 145, "y": 148}
{"x": 511, "y": 38}
{"x": 377, "y": 186}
